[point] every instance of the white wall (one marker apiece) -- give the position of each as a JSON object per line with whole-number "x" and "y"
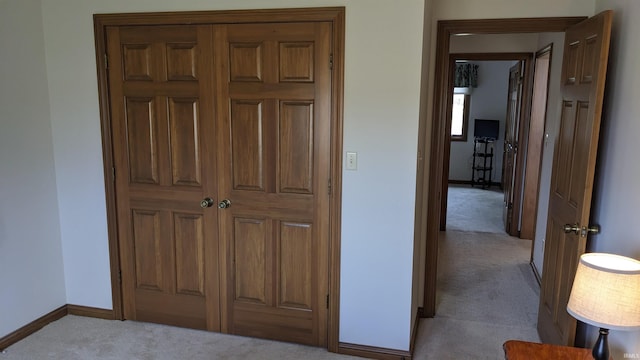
{"x": 616, "y": 202}
{"x": 552, "y": 125}
{"x": 488, "y": 101}
{"x": 493, "y": 9}
{"x": 381, "y": 121}
{"x": 31, "y": 272}
{"x": 490, "y": 97}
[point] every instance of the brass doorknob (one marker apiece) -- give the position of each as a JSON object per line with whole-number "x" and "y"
{"x": 224, "y": 204}
{"x": 206, "y": 202}
{"x": 593, "y": 230}
{"x": 575, "y": 228}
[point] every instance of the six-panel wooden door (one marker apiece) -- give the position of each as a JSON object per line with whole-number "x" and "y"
{"x": 273, "y": 138}
{"x": 229, "y": 112}
{"x": 584, "y": 71}
{"x": 160, "y": 86}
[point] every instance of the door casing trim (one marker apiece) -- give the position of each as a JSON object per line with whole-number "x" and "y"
{"x": 428, "y": 207}
{"x": 334, "y": 15}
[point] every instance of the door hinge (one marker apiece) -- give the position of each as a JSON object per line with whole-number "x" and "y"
{"x": 330, "y": 61}
{"x": 106, "y": 61}
{"x": 120, "y": 276}
{"x": 329, "y": 186}
{"x": 327, "y": 301}
{"x": 113, "y": 173}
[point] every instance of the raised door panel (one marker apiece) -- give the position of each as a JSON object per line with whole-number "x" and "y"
{"x": 149, "y": 264}
{"x": 188, "y": 234}
{"x": 296, "y": 147}
{"x": 580, "y": 157}
{"x": 247, "y": 145}
{"x": 572, "y": 56}
{"x": 184, "y": 135}
{"x": 295, "y": 265}
{"x": 142, "y": 133}
{"x": 246, "y": 61}
{"x": 296, "y": 61}
{"x": 250, "y": 258}
{"x": 182, "y": 62}
{"x": 561, "y": 175}
{"x": 137, "y": 62}
{"x": 588, "y": 67}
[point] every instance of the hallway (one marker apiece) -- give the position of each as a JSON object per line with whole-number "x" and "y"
{"x": 487, "y": 292}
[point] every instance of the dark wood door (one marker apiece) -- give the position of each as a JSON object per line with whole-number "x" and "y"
{"x": 229, "y": 112}
{"x": 160, "y": 83}
{"x": 512, "y": 129}
{"x": 273, "y": 152}
{"x": 583, "y": 79}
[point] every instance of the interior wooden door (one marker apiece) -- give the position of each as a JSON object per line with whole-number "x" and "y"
{"x": 535, "y": 141}
{"x": 512, "y": 129}
{"x": 583, "y": 79}
{"x": 273, "y": 152}
{"x": 160, "y": 83}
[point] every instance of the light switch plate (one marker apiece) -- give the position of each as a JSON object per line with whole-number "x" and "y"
{"x": 352, "y": 160}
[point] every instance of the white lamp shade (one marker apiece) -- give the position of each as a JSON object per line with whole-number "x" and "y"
{"x": 606, "y": 292}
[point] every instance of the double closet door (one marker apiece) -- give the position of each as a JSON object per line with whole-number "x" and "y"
{"x": 221, "y": 146}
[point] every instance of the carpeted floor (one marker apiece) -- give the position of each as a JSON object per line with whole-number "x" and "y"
{"x": 475, "y": 209}
{"x": 80, "y": 338}
{"x": 487, "y": 294}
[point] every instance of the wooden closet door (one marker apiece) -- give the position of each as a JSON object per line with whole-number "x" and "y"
{"x": 273, "y": 153}
{"x": 160, "y": 82}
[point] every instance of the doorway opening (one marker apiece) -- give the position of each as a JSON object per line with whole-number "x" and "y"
{"x": 430, "y": 213}
{"x": 486, "y": 160}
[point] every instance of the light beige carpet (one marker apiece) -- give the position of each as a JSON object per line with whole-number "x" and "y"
{"x": 487, "y": 294}
{"x": 475, "y": 209}
{"x": 80, "y": 338}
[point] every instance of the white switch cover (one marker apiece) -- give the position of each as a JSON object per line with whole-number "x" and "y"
{"x": 352, "y": 160}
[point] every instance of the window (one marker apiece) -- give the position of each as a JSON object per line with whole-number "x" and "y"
{"x": 460, "y": 117}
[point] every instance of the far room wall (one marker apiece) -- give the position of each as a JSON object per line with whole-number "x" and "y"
{"x": 487, "y": 101}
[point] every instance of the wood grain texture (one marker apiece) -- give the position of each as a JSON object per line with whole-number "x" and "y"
{"x": 247, "y": 146}
{"x": 584, "y": 76}
{"x": 246, "y": 62}
{"x": 158, "y": 130}
{"x": 277, "y": 147}
{"x": 296, "y": 137}
{"x": 522, "y": 350}
{"x": 180, "y": 73}
{"x": 184, "y": 135}
{"x": 535, "y": 141}
{"x": 88, "y": 311}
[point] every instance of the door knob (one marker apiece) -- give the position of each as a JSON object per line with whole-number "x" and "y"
{"x": 206, "y": 202}
{"x": 575, "y": 228}
{"x": 593, "y": 230}
{"x": 224, "y": 204}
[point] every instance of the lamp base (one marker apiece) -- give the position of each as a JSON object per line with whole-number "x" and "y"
{"x": 601, "y": 347}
